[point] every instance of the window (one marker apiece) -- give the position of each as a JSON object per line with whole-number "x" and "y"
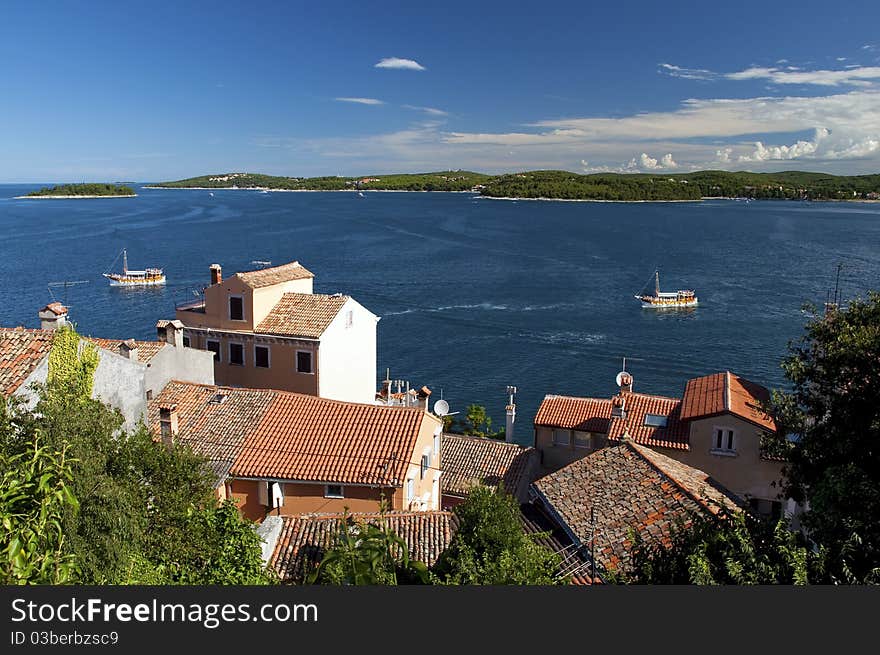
{"x": 424, "y": 466}
{"x": 436, "y": 444}
{"x": 349, "y": 318}
{"x": 236, "y": 354}
{"x": 723, "y": 441}
{"x": 409, "y": 491}
{"x": 333, "y": 491}
{"x": 149, "y": 394}
{"x": 303, "y": 361}
{"x": 561, "y": 438}
{"x": 261, "y": 356}
{"x": 186, "y": 341}
{"x": 214, "y": 347}
{"x": 582, "y": 439}
{"x": 655, "y": 421}
{"x": 236, "y": 308}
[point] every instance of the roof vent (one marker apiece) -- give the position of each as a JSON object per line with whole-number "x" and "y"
{"x": 219, "y": 398}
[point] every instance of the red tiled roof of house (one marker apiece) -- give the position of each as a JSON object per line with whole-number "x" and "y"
{"x": 56, "y": 308}
{"x": 315, "y": 439}
{"x": 146, "y": 349}
{"x": 629, "y": 486}
{"x": 584, "y": 414}
{"x": 21, "y": 351}
{"x": 726, "y": 392}
{"x": 636, "y": 407}
{"x": 266, "y": 277}
{"x": 302, "y": 314}
{"x": 215, "y": 430}
{"x": 574, "y": 562}
{"x": 305, "y": 538}
{"x": 467, "y": 460}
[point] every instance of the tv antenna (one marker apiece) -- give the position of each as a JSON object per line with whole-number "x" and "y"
{"x": 65, "y": 284}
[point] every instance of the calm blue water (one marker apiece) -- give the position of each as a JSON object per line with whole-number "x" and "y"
{"x": 474, "y": 294}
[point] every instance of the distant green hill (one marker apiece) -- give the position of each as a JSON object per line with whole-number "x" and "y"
{"x": 564, "y": 185}
{"x": 440, "y": 181}
{"x": 85, "y": 190}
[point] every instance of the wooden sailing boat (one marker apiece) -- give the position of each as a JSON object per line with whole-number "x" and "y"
{"x": 132, "y": 278}
{"x": 667, "y": 299}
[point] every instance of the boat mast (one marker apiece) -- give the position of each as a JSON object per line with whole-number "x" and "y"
{"x": 124, "y": 262}
{"x": 657, "y": 283}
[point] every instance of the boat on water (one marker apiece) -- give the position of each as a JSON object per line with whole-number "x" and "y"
{"x": 131, "y": 278}
{"x": 667, "y": 299}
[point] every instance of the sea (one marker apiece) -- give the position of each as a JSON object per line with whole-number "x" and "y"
{"x": 474, "y": 294}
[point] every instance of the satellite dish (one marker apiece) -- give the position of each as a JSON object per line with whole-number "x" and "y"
{"x": 441, "y": 408}
{"x": 623, "y": 378}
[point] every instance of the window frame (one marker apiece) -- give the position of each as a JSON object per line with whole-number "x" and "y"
{"x": 268, "y": 356}
{"x": 728, "y": 437}
{"x": 341, "y": 493}
{"x": 229, "y": 353}
{"x": 588, "y": 435}
{"x": 229, "y": 299}
{"x": 409, "y": 491}
{"x": 349, "y": 319}
{"x": 660, "y": 420}
{"x": 217, "y": 354}
{"x": 559, "y": 443}
{"x": 311, "y": 370}
{"x": 186, "y": 341}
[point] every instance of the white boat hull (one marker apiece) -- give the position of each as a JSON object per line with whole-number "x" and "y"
{"x": 671, "y": 304}
{"x": 137, "y": 283}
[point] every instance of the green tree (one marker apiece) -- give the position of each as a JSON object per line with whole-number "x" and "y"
{"x": 834, "y": 411}
{"x": 368, "y": 553}
{"x": 490, "y": 546}
{"x": 71, "y": 365}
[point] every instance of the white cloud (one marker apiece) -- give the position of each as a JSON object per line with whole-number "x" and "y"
{"x": 858, "y": 76}
{"x": 687, "y": 73}
{"x": 428, "y": 110}
{"x": 794, "y": 151}
{"x": 722, "y": 156}
{"x": 361, "y": 101}
{"x": 397, "y": 62}
{"x": 666, "y": 161}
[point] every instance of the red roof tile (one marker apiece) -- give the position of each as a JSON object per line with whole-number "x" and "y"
{"x": 305, "y": 538}
{"x": 636, "y": 407}
{"x": 146, "y": 349}
{"x": 726, "y": 392}
{"x": 266, "y": 277}
{"x": 628, "y": 486}
{"x": 21, "y": 351}
{"x": 585, "y": 414}
{"x": 302, "y": 314}
{"x": 466, "y": 460}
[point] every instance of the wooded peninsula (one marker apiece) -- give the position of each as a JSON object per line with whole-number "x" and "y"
{"x": 82, "y": 191}
{"x": 564, "y": 185}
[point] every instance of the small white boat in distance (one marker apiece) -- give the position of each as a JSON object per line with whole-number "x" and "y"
{"x": 128, "y": 278}
{"x": 667, "y": 299}
{"x": 361, "y": 194}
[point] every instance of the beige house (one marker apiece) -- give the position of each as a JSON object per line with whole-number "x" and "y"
{"x": 715, "y": 427}
{"x": 267, "y": 329}
{"x": 277, "y": 452}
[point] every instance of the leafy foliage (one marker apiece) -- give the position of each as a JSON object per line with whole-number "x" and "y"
{"x": 491, "y": 547}
{"x": 85, "y": 190}
{"x": 739, "y": 549}
{"x": 368, "y": 554}
{"x": 834, "y": 411}
{"x": 71, "y": 369}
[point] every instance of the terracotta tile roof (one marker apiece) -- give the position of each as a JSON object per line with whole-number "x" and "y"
{"x": 315, "y": 439}
{"x": 146, "y": 349}
{"x": 726, "y": 392}
{"x": 636, "y": 406}
{"x": 628, "y": 486}
{"x": 574, "y": 561}
{"x": 305, "y": 538}
{"x": 266, "y": 277}
{"x": 585, "y": 414}
{"x": 214, "y": 430}
{"x": 302, "y": 314}
{"x": 56, "y": 308}
{"x": 465, "y": 460}
{"x": 21, "y": 351}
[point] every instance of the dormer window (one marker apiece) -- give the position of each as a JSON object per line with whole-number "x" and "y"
{"x": 655, "y": 421}
{"x": 236, "y": 308}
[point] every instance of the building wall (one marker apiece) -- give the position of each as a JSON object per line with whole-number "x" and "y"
{"x": 281, "y": 374}
{"x": 119, "y": 382}
{"x": 348, "y": 356}
{"x": 554, "y": 456}
{"x": 426, "y": 489}
{"x": 184, "y": 364}
{"x": 745, "y": 473}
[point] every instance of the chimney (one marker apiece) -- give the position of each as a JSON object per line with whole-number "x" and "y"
{"x": 53, "y": 316}
{"x": 626, "y": 382}
{"x": 216, "y": 274}
{"x": 170, "y": 332}
{"x": 510, "y": 412}
{"x": 128, "y": 349}
{"x": 168, "y": 423}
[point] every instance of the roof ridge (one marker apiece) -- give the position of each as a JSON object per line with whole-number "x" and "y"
{"x": 726, "y": 391}
{"x": 648, "y": 395}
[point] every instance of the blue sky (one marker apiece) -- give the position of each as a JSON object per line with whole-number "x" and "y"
{"x": 101, "y": 91}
